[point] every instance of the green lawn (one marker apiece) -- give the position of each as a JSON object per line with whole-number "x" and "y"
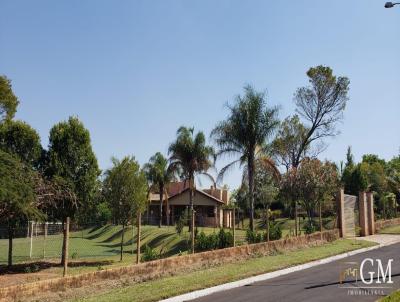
{"x": 99, "y": 247}
{"x": 395, "y": 229}
{"x": 394, "y": 297}
{"x": 102, "y": 243}
{"x": 174, "y": 285}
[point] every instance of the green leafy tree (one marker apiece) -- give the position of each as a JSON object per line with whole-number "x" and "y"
{"x": 71, "y": 158}
{"x": 8, "y": 101}
{"x": 190, "y": 155}
{"x": 125, "y": 189}
{"x": 248, "y": 127}
{"x": 266, "y": 193}
{"x": 18, "y": 200}
{"x": 393, "y": 176}
{"x": 289, "y": 139}
{"x": 316, "y": 183}
{"x": 159, "y": 173}
{"x": 374, "y": 169}
{"x": 19, "y": 138}
{"x": 73, "y": 166}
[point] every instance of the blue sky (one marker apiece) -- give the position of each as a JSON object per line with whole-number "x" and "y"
{"x": 134, "y": 71}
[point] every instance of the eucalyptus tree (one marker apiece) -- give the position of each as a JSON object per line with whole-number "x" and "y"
{"x": 125, "y": 189}
{"x": 189, "y": 156}
{"x": 18, "y": 200}
{"x": 8, "y": 100}
{"x": 250, "y": 124}
{"x": 159, "y": 174}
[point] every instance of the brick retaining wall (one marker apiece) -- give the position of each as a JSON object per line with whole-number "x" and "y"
{"x": 380, "y": 224}
{"x": 167, "y": 266}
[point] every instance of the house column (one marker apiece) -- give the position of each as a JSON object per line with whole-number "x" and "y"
{"x": 340, "y": 204}
{"x": 362, "y": 202}
{"x": 370, "y": 213}
{"x": 172, "y": 215}
{"x": 168, "y": 213}
{"x": 215, "y": 216}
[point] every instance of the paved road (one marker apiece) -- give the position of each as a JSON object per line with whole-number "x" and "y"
{"x": 320, "y": 283}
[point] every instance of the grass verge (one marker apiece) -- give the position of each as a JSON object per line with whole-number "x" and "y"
{"x": 174, "y": 285}
{"x": 395, "y": 230}
{"x": 395, "y": 296}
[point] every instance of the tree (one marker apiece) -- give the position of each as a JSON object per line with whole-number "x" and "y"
{"x": 8, "y": 100}
{"x": 291, "y": 135}
{"x": 71, "y": 158}
{"x": 19, "y": 138}
{"x": 18, "y": 200}
{"x": 190, "y": 155}
{"x": 125, "y": 189}
{"x": 354, "y": 180}
{"x": 250, "y": 123}
{"x": 317, "y": 183}
{"x": 266, "y": 192}
{"x": 321, "y": 105}
{"x": 159, "y": 173}
{"x": 73, "y": 166}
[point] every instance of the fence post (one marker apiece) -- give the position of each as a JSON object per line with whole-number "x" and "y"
{"x": 234, "y": 226}
{"x": 31, "y": 246}
{"x": 138, "y": 238}
{"x": 66, "y": 241}
{"x": 44, "y": 239}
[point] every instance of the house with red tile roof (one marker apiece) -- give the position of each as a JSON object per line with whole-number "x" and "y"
{"x": 209, "y": 204}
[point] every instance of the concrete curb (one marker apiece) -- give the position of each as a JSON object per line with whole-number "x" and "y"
{"x": 208, "y": 291}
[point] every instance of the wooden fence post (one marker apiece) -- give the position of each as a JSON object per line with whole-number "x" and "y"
{"x": 31, "y": 246}
{"x": 66, "y": 241}
{"x": 234, "y": 226}
{"x": 138, "y": 238}
{"x": 44, "y": 239}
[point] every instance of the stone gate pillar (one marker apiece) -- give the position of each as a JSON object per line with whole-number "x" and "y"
{"x": 362, "y": 206}
{"x": 370, "y": 213}
{"x": 340, "y": 206}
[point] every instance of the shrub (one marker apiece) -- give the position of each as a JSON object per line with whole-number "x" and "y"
{"x": 149, "y": 254}
{"x": 253, "y": 236}
{"x": 225, "y": 239}
{"x": 275, "y": 232}
{"x": 206, "y": 243}
{"x": 213, "y": 241}
{"x": 309, "y": 228}
{"x": 180, "y": 224}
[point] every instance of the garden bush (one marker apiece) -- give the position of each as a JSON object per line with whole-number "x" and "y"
{"x": 253, "y": 236}
{"x": 222, "y": 239}
{"x": 149, "y": 254}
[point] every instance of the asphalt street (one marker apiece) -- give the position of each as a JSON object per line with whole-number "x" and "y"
{"x": 321, "y": 283}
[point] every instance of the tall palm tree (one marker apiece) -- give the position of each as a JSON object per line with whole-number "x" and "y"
{"x": 250, "y": 123}
{"x": 190, "y": 156}
{"x": 159, "y": 173}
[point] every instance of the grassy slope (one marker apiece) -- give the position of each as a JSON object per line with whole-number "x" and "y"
{"x": 104, "y": 242}
{"x": 102, "y": 245}
{"x": 391, "y": 230}
{"x": 175, "y": 285}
